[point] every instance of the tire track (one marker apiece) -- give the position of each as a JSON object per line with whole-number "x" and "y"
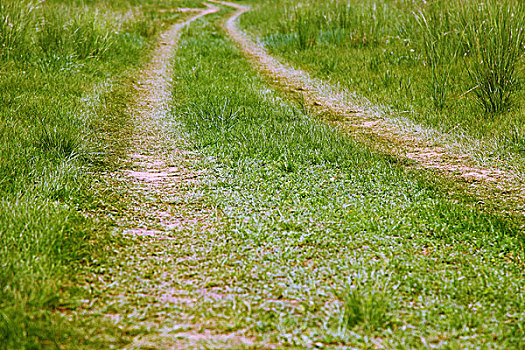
{"x": 368, "y": 124}
{"x": 148, "y": 288}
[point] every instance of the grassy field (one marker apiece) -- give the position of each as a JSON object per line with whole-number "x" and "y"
{"x": 66, "y": 72}
{"x": 316, "y": 242}
{"x": 325, "y": 244}
{"x": 456, "y": 66}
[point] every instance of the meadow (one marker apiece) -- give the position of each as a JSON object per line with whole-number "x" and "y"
{"x": 66, "y": 74}
{"x": 305, "y": 238}
{"x": 455, "y": 67}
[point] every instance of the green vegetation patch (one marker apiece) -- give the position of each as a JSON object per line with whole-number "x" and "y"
{"x": 66, "y": 69}
{"x": 456, "y": 66}
{"x": 326, "y": 244}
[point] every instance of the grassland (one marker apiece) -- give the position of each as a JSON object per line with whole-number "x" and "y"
{"x": 325, "y": 244}
{"x": 308, "y": 239}
{"x": 453, "y": 66}
{"x": 66, "y": 71}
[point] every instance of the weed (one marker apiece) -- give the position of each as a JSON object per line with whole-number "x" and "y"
{"x": 63, "y": 142}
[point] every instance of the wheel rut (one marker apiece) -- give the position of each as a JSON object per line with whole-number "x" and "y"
{"x": 368, "y": 124}
{"x": 163, "y": 275}
{"x": 149, "y": 287}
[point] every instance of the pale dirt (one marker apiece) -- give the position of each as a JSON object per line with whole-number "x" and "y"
{"x": 380, "y": 133}
{"x": 151, "y": 285}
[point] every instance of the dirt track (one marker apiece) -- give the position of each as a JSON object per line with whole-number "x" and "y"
{"x": 160, "y": 184}
{"x": 151, "y": 285}
{"x": 382, "y": 134}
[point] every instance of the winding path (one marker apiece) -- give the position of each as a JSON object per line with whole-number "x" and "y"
{"x": 153, "y": 285}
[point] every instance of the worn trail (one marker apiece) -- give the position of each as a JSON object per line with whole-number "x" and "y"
{"x": 270, "y": 266}
{"x": 150, "y": 288}
{"x": 368, "y": 124}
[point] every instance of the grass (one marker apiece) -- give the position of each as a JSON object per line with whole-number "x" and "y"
{"x": 317, "y": 241}
{"x": 67, "y": 73}
{"x": 455, "y": 67}
{"x": 323, "y": 243}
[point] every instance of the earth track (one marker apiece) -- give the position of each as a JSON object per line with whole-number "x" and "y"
{"x": 148, "y": 289}
{"x": 368, "y": 124}
{"x": 159, "y": 280}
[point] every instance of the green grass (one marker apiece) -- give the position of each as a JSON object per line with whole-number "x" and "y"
{"x": 325, "y": 244}
{"x": 319, "y": 241}
{"x": 455, "y": 66}
{"x": 66, "y": 69}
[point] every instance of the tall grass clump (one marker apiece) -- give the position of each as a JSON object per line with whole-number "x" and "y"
{"x": 17, "y": 19}
{"x": 486, "y": 38}
{"x": 310, "y": 24}
{"x": 495, "y": 37}
{"x": 440, "y": 45}
{"x": 78, "y": 33}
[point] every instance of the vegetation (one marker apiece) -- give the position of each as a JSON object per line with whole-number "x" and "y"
{"x": 315, "y": 241}
{"x": 456, "y": 66}
{"x": 65, "y": 70}
{"x": 324, "y": 244}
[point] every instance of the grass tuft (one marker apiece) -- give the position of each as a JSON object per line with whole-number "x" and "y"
{"x": 495, "y": 38}
{"x": 369, "y": 309}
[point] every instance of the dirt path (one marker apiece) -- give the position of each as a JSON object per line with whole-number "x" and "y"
{"x": 367, "y": 123}
{"x": 150, "y": 287}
